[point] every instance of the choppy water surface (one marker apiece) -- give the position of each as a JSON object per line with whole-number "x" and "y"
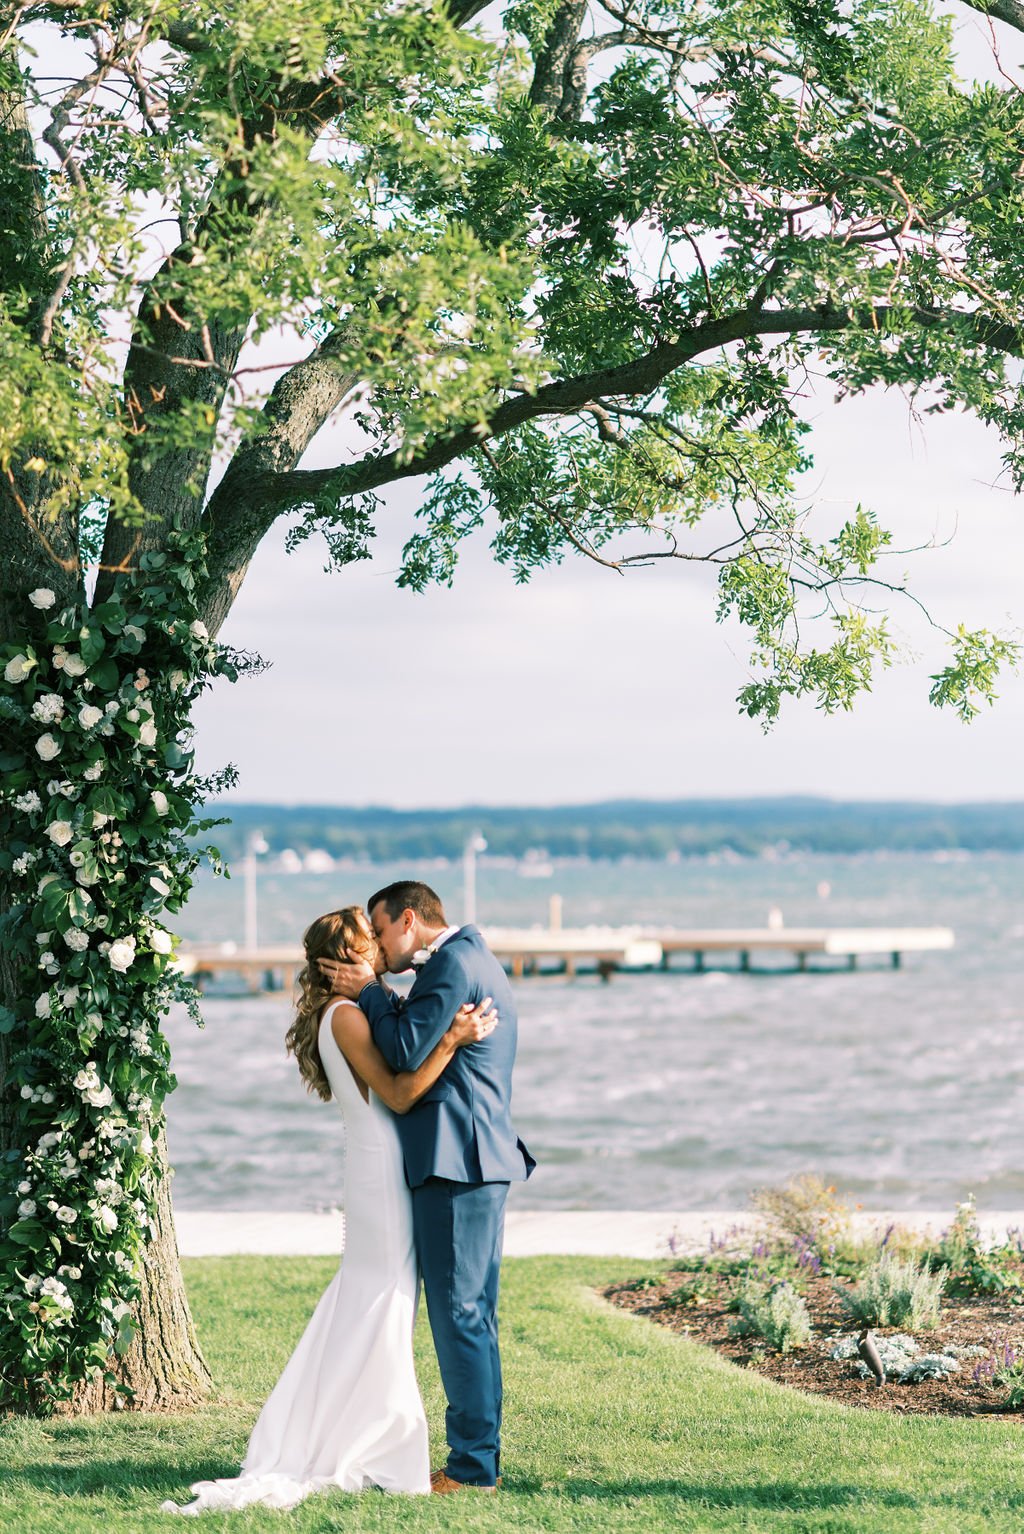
{"x": 677, "y": 1091}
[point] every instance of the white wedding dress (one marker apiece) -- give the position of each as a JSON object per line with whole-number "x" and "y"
{"x": 347, "y": 1411}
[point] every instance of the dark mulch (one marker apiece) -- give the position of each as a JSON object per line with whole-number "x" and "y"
{"x": 985, "y": 1320}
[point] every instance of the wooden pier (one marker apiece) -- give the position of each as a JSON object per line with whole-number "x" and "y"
{"x": 604, "y": 951}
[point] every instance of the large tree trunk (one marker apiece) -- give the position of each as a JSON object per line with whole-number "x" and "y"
{"x": 163, "y": 1366}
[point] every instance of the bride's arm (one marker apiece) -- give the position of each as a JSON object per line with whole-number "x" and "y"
{"x": 401, "y": 1089}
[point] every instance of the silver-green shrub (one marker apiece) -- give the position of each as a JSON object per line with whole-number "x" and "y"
{"x": 896, "y": 1293}
{"x": 775, "y": 1312}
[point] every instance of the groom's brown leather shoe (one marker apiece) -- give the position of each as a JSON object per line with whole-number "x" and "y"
{"x": 443, "y": 1483}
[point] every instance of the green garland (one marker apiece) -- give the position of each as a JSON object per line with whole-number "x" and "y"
{"x": 97, "y": 819}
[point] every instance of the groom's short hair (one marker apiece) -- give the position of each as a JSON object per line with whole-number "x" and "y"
{"x": 410, "y": 895}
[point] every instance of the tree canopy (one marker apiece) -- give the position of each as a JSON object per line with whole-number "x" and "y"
{"x": 571, "y": 261}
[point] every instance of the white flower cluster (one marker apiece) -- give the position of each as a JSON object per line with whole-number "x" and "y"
{"x": 88, "y": 1083}
{"x": 121, "y": 954}
{"x": 68, "y": 662}
{"x": 49, "y": 709}
{"x": 74, "y": 1178}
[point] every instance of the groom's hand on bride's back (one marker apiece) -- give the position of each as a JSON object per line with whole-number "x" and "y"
{"x": 347, "y": 978}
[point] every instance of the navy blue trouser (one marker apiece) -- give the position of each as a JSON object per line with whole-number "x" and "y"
{"x": 459, "y": 1228}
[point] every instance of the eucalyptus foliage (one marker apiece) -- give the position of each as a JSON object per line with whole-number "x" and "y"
{"x": 571, "y": 263}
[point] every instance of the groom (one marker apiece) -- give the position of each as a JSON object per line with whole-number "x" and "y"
{"x": 460, "y": 1151}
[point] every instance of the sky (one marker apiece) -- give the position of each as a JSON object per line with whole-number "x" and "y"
{"x": 586, "y": 685}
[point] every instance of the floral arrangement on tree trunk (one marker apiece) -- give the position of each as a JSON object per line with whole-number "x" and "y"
{"x": 97, "y": 819}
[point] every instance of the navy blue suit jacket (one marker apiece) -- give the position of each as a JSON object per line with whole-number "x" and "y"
{"x": 462, "y": 1127}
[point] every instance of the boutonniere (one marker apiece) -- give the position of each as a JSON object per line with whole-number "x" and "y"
{"x": 421, "y": 955}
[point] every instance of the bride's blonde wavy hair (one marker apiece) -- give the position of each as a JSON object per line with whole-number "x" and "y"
{"x": 326, "y": 938}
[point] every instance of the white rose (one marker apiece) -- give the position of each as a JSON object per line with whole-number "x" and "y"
{"x": 160, "y": 801}
{"x": 177, "y": 680}
{"x": 18, "y": 668}
{"x": 42, "y": 598}
{"x": 66, "y": 1215}
{"x": 160, "y": 941}
{"x": 60, "y": 832}
{"x": 76, "y": 939}
{"x": 43, "y": 1005}
{"x": 147, "y": 734}
{"x": 99, "y": 1097}
{"x": 99, "y": 819}
{"x": 70, "y": 996}
{"x": 198, "y": 630}
{"x": 47, "y": 747}
{"x": 26, "y": 1209}
{"x": 92, "y": 773}
{"x": 24, "y": 1187}
{"x": 89, "y": 716}
{"x": 86, "y": 1078}
{"x": 122, "y": 954}
{"x": 74, "y": 665}
{"x": 106, "y": 1217}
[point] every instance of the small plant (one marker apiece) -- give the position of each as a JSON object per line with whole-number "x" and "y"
{"x": 901, "y": 1358}
{"x": 696, "y": 1289}
{"x": 805, "y": 1209}
{"x": 894, "y": 1292}
{"x": 1003, "y": 1369}
{"x": 649, "y": 1281}
{"x": 975, "y": 1268}
{"x": 775, "y": 1312}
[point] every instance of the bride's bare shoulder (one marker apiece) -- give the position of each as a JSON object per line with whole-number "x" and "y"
{"x": 347, "y": 1021}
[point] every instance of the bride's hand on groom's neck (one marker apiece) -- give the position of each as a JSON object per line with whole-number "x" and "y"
{"x": 347, "y": 978}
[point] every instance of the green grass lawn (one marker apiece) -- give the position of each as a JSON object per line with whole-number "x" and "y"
{"x": 611, "y": 1424}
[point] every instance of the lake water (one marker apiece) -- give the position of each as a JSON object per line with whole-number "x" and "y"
{"x": 904, "y": 1087}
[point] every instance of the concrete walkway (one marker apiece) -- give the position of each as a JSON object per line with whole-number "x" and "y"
{"x": 533, "y": 1232}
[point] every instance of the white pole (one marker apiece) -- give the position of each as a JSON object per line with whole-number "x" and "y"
{"x": 475, "y": 844}
{"x": 254, "y": 843}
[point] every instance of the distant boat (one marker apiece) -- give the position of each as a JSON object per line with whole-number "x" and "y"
{"x": 535, "y": 864}
{"x": 318, "y": 861}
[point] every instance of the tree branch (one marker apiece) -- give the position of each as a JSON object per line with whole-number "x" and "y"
{"x": 300, "y": 403}
{"x": 553, "y": 88}
{"x": 276, "y": 493}
{"x": 1010, "y": 11}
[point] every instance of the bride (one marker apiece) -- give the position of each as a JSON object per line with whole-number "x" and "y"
{"x": 347, "y": 1411}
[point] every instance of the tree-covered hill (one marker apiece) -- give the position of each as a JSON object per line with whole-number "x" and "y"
{"x": 629, "y": 828}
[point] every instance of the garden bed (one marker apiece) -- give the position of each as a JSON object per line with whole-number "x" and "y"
{"x": 980, "y": 1323}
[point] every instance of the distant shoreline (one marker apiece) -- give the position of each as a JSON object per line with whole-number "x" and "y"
{"x": 673, "y": 830}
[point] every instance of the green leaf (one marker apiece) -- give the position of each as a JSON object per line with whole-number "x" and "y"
{"x": 104, "y": 674}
